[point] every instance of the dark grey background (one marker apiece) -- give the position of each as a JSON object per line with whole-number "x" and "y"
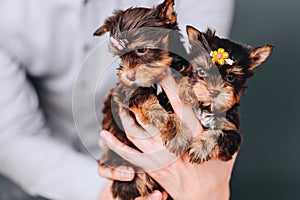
{"x": 268, "y": 166}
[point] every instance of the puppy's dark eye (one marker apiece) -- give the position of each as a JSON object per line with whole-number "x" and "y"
{"x": 141, "y": 51}
{"x": 154, "y": 15}
{"x": 230, "y": 77}
{"x": 201, "y": 72}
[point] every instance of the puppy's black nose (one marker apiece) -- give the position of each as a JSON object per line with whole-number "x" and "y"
{"x": 214, "y": 93}
{"x": 131, "y": 76}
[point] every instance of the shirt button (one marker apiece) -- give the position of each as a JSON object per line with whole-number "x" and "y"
{"x": 86, "y": 48}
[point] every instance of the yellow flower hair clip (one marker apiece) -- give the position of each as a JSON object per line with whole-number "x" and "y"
{"x": 221, "y": 57}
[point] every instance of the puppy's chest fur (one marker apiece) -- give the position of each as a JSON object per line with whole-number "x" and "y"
{"x": 217, "y": 121}
{"x": 208, "y": 119}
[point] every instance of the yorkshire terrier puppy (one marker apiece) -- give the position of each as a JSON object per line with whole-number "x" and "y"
{"x": 214, "y": 87}
{"x": 144, "y": 39}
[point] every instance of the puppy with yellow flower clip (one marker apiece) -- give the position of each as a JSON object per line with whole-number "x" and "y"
{"x": 220, "y": 69}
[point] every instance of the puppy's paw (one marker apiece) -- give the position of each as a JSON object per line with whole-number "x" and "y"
{"x": 204, "y": 147}
{"x": 177, "y": 137}
{"x": 198, "y": 153}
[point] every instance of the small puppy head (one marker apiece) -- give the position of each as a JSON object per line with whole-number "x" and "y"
{"x": 221, "y": 68}
{"x": 140, "y": 37}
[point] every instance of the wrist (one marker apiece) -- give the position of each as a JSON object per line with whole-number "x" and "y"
{"x": 213, "y": 193}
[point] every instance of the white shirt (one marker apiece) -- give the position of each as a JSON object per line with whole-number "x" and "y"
{"x": 42, "y": 46}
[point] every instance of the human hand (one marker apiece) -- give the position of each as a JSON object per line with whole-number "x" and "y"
{"x": 180, "y": 178}
{"x": 122, "y": 173}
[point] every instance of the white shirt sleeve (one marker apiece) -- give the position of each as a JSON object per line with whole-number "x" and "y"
{"x": 28, "y": 155}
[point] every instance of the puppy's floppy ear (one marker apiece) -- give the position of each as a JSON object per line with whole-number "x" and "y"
{"x": 259, "y": 55}
{"x": 166, "y": 11}
{"x": 101, "y": 30}
{"x": 106, "y": 27}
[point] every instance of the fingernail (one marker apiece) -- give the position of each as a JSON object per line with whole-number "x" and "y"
{"x": 126, "y": 173}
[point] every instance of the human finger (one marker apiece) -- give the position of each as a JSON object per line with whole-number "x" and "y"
{"x": 102, "y": 145}
{"x": 147, "y": 161}
{"x": 131, "y": 129}
{"x": 121, "y": 173}
{"x": 149, "y": 128}
{"x": 183, "y": 111}
{"x": 126, "y": 152}
{"x": 148, "y": 139}
{"x": 165, "y": 195}
{"x": 157, "y": 195}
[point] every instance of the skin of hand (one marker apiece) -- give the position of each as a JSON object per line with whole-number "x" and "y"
{"x": 180, "y": 178}
{"x": 122, "y": 174}
{"x": 107, "y": 195}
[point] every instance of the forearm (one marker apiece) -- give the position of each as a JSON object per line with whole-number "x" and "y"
{"x": 39, "y": 163}
{"x": 44, "y": 167}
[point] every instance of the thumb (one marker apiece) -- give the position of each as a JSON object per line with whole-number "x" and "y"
{"x": 157, "y": 195}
